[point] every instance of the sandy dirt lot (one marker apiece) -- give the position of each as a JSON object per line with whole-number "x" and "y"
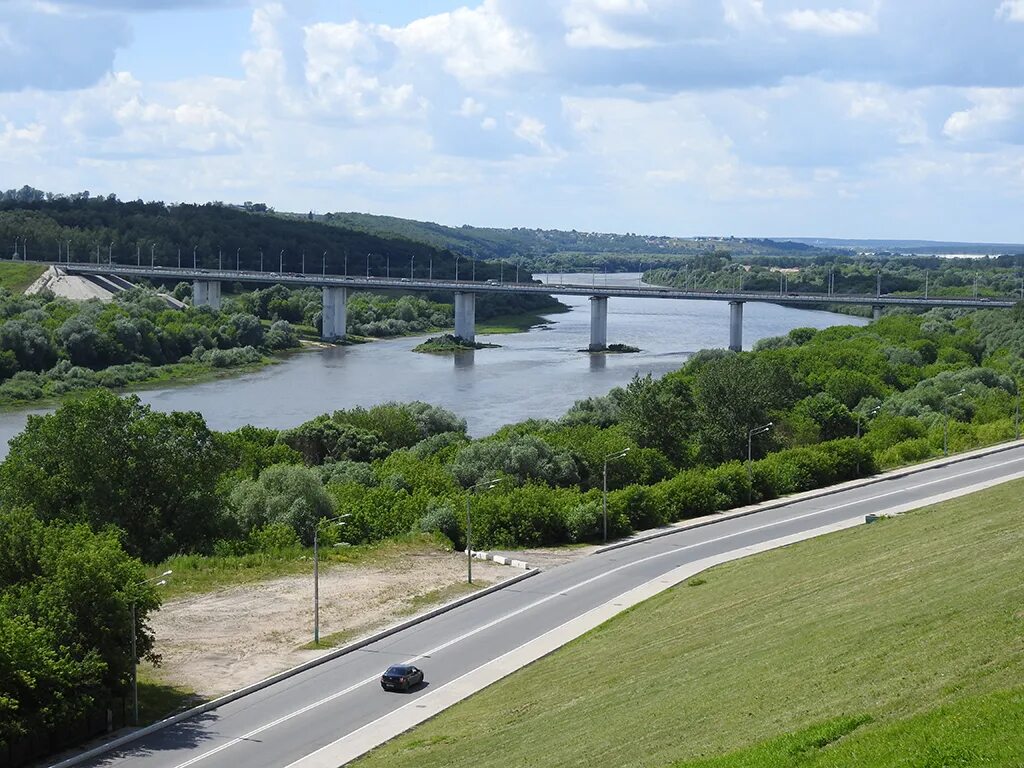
{"x": 218, "y": 642}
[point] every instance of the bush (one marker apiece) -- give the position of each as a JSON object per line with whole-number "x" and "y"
{"x": 442, "y": 518}
{"x": 584, "y": 522}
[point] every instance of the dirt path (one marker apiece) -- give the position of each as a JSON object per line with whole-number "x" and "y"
{"x": 218, "y": 642}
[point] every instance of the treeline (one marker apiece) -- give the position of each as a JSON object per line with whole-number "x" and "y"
{"x": 381, "y": 315}
{"x": 46, "y": 227}
{"x": 50, "y": 346}
{"x": 992, "y": 277}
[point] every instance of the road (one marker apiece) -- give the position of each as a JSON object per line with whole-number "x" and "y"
{"x": 283, "y": 723}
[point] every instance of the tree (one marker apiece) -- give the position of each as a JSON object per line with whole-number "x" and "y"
{"x": 284, "y": 494}
{"x": 65, "y": 620}
{"x": 659, "y": 413}
{"x": 734, "y": 394}
{"x": 102, "y": 460}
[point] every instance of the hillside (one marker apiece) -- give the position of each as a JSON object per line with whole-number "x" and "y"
{"x": 552, "y": 248}
{"x": 882, "y": 639}
{"x": 42, "y": 227}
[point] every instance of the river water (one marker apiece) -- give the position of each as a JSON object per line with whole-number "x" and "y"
{"x": 537, "y": 374}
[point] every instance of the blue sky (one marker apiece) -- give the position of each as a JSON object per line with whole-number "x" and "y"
{"x": 841, "y": 118}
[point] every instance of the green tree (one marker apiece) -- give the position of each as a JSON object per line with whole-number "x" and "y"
{"x": 101, "y": 459}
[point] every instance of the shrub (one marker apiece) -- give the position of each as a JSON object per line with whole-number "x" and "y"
{"x": 442, "y": 518}
{"x": 583, "y": 522}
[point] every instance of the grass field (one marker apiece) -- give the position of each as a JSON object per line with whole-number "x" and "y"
{"x": 195, "y": 574}
{"x": 16, "y": 276}
{"x": 882, "y": 645}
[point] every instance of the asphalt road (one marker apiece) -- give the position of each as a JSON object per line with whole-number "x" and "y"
{"x": 281, "y": 724}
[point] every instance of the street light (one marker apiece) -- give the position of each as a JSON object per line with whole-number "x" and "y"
{"x": 412, "y": 266}
{"x": 323, "y": 267}
{"x": 152, "y": 254}
{"x": 604, "y": 487}
{"x": 750, "y": 469}
{"x": 281, "y": 267}
{"x": 1016, "y": 418}
{"x": 457, "y": 257}
{"x": 238, "y": 258}
{"x": 194, "y": 249}
{"x": 486, "y": 485}
{"x": 135, "y": 658}
{"x": 316, "y": 573}
{"x": 945, "y": 426}
{"x": 868, "y": 415}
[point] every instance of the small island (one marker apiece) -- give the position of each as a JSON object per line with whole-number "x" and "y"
{"x": 450, "y": 343}
{"x": 613, "y": 349}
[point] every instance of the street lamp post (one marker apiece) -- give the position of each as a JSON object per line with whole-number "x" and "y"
{"x": 945, "y": 426}
{"x": 152, "y": 254}
{"x": 261, "y": 259}
{"x": 604, "y": 491}
{"x": 1016, "y": 419}
{"x": 869, "y": 414}
{"x": 412, "y": 266}
{"x": 281, "y": 267}
{"x": 486, "y": 485}
{"x": 135, "y": 658}
{"x": 750, "y": 470}
{"x": 238, "y": 259}
{"x": 457, "y": 257}
{"x": 316, "y": 573}
{"x": 323, "y": 265}
{"x": 194, "y": 261}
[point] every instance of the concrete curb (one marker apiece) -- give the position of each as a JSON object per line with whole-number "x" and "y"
{"x": 265, "y": 683}
{"x": 718, "y": 517}
{"x": 501, "y": 560}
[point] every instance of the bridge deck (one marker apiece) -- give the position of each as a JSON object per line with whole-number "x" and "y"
{"x": 569, "y": 289}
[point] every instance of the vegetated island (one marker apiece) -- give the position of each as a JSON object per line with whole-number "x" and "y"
{"x": 613, "y": 349}
{"x": 448, "y": 343}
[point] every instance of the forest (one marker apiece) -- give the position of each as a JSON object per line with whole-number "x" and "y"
{"x": 105, "y": 488}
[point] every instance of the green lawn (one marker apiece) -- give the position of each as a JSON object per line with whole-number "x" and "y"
{"x": 882, "y": 637}
{"x": 16, "y": 276}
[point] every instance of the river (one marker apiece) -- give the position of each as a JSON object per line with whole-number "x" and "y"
{"x": 537, "y": 374}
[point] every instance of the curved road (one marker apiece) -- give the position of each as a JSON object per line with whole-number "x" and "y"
{"x": 294, "y": 718}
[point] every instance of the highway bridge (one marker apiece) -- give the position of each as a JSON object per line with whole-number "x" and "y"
{"x": 206, "y": 290}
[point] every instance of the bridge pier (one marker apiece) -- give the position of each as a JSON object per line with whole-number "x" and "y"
{"x": 736, "y": 326}
{"x": 206, "y": 293}
{"x": 598, "y": 323}
{"x": 333, "y": 317}
{"x": 465, "y": 316}
{"x": 876, "y": 313}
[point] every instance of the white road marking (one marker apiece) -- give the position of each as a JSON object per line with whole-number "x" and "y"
{"x": 567, "y": 590}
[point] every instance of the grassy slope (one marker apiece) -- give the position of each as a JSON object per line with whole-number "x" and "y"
{"x": 887, "y": 621}
{"x": 16, "y": 276}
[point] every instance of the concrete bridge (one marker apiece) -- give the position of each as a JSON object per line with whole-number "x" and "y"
{"x": 206, "y": 291}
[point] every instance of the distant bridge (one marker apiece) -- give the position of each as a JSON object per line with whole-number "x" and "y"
{"x": 206, "y": 290}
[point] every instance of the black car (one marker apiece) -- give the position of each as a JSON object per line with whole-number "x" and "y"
{"x": 401, "y": 678}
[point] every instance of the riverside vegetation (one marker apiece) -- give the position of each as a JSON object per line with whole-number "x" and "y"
{"x": 109, "y": 478}
{"x": 51, "y": 346}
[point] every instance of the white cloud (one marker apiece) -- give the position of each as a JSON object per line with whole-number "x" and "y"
{"x": 476, "y": 46}
{"x": 470, "y": 107}
{"x": 592, "y": 24}
{"x": 838, "y": 23}
{"x": 995, "y": 114}
{"x": 1011, "y": 10}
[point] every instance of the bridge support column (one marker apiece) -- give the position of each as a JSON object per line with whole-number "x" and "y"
{"x": 736, "y": 326}
{"x": 465, "y": 316}
{"x": 598, "y": 323}
{"x": 334, "y": 315}
{"x": 876, "y": 313}
{"x": 206, "y": 293}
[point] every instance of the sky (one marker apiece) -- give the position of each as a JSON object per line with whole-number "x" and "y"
{"x": 771, "y": 118}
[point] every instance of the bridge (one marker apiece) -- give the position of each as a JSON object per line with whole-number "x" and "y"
{"x": 206, "y": 291}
